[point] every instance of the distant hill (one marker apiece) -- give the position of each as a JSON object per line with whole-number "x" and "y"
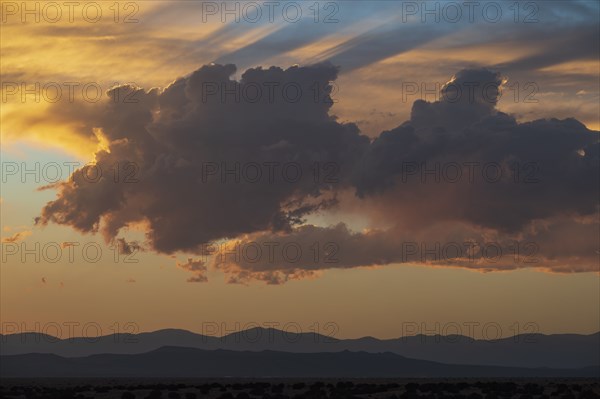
{"x": 190, "y": 362}
{"x": 535, "y": 350}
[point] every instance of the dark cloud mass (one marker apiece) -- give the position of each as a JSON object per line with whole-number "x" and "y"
{"x": 214, "y": 158}
{"x": 210, "y": 158}
{"x": 511, "y": 173}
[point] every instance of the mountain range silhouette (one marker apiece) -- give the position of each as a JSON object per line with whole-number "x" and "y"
{"x": 172, "y": 361}
{"x": 271, "y": 352}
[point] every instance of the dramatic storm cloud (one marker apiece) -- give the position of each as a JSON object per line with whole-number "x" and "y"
{"x": 210, "y": 160}
{"x": 461, "y": 159}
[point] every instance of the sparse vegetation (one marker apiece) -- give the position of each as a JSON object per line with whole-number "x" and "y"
{"x": 309, "y": 389}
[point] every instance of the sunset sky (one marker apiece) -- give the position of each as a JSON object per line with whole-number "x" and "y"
{"x": 152, "y": 244}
